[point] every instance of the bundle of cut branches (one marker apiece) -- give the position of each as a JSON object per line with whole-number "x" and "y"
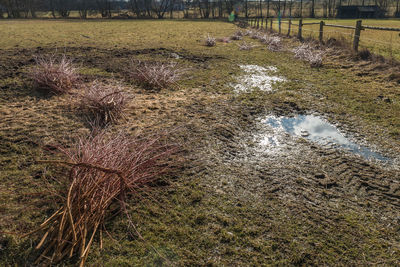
{"x": 103, "y": 102}
{"x": 210, "y": 41}
{"x": 155, "y": 75}
{"x": 103, "y": 169}
{"x": 54, "y": 75}
{"x": 310, "y": 54}
{"x": 246, "y": 46}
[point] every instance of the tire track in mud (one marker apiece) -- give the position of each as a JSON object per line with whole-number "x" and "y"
{"x": 312, "y": 176}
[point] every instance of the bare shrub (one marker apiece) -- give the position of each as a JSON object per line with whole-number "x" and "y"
{"x": 54, "y": 75}
{"x": 103, "y": 102}
{"x": 103, "y": 169}
{"x": 246, "y": 46}
{"x": 155, "y": 76}
{"x": 307, "y": 53}
{"x": 224, "y": 40}
{"x": 210, "y": 41}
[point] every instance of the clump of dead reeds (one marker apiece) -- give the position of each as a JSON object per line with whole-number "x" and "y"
{"x": 307, "y": 53}
{"x": 54, "y": 75}
{"x": 103, "y": 102}
{"x": 210, "y": 41}
{"x": 155, "y": 76}
{"x": 103, "y": 169}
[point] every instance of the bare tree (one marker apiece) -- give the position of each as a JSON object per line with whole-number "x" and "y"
{"x": 204, "y": 8}
{"x": 83, "y": 7}
{"x": 160, "y": 7}
{"x": 276, "y": 6}
{"x": 61, "y": 7}
{"x": 104, "y": 7}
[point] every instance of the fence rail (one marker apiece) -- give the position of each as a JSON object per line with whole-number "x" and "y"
{"x": 259, "y": 22}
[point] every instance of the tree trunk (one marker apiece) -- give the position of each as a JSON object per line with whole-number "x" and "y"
{"x": 312, "y": 13}
{"x": 301, "y": 8}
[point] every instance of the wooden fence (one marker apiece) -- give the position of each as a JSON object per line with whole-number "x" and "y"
{"x": 263, "y": 23}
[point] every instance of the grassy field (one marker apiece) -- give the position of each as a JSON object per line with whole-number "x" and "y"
{"x": 33, "y": 33}
{"x": 386, "y": 43}
{"x": 215, "y": 210}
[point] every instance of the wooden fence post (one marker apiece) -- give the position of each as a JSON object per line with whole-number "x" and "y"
{"x": 300, "y": 28}
{"x": 279, "y": 25}
{"x": 290, "y": 25}
{"x": 321, "y": 31}
{"x": 357, "y": 33}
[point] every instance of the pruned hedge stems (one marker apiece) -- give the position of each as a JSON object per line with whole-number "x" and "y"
{"x": 308, "y": 53}
{"x": 104, "y": 168}
{"x": 224, "y": 40}
{"x": 103, "y": 102}
{"x": 155, "y": 76}
{"x": 54, "y": 75}
{"x": 246, "y": 46}
{"x": 210, "y": 41}
{"x": 238, "y": 35}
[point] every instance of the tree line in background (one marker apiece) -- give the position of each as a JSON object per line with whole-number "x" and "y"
{"x": 188, "y": 8}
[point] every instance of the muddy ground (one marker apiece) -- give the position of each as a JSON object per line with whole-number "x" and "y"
{"x": 234, "y": 201}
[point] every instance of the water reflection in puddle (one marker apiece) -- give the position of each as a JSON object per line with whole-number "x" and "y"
{"x": 317, "y": 130}
{"x": 257, "y": 77}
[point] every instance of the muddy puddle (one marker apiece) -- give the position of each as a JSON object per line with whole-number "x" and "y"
{"x": 314, "y": 129}
{"x": 257, "y": 77}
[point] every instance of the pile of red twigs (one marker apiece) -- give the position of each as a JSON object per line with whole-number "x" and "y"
{"x": 54, "y": 75}
{"x": 155, "y": 76}
{"x": 103, "y": 169}
{"x": 103, "y": 102}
